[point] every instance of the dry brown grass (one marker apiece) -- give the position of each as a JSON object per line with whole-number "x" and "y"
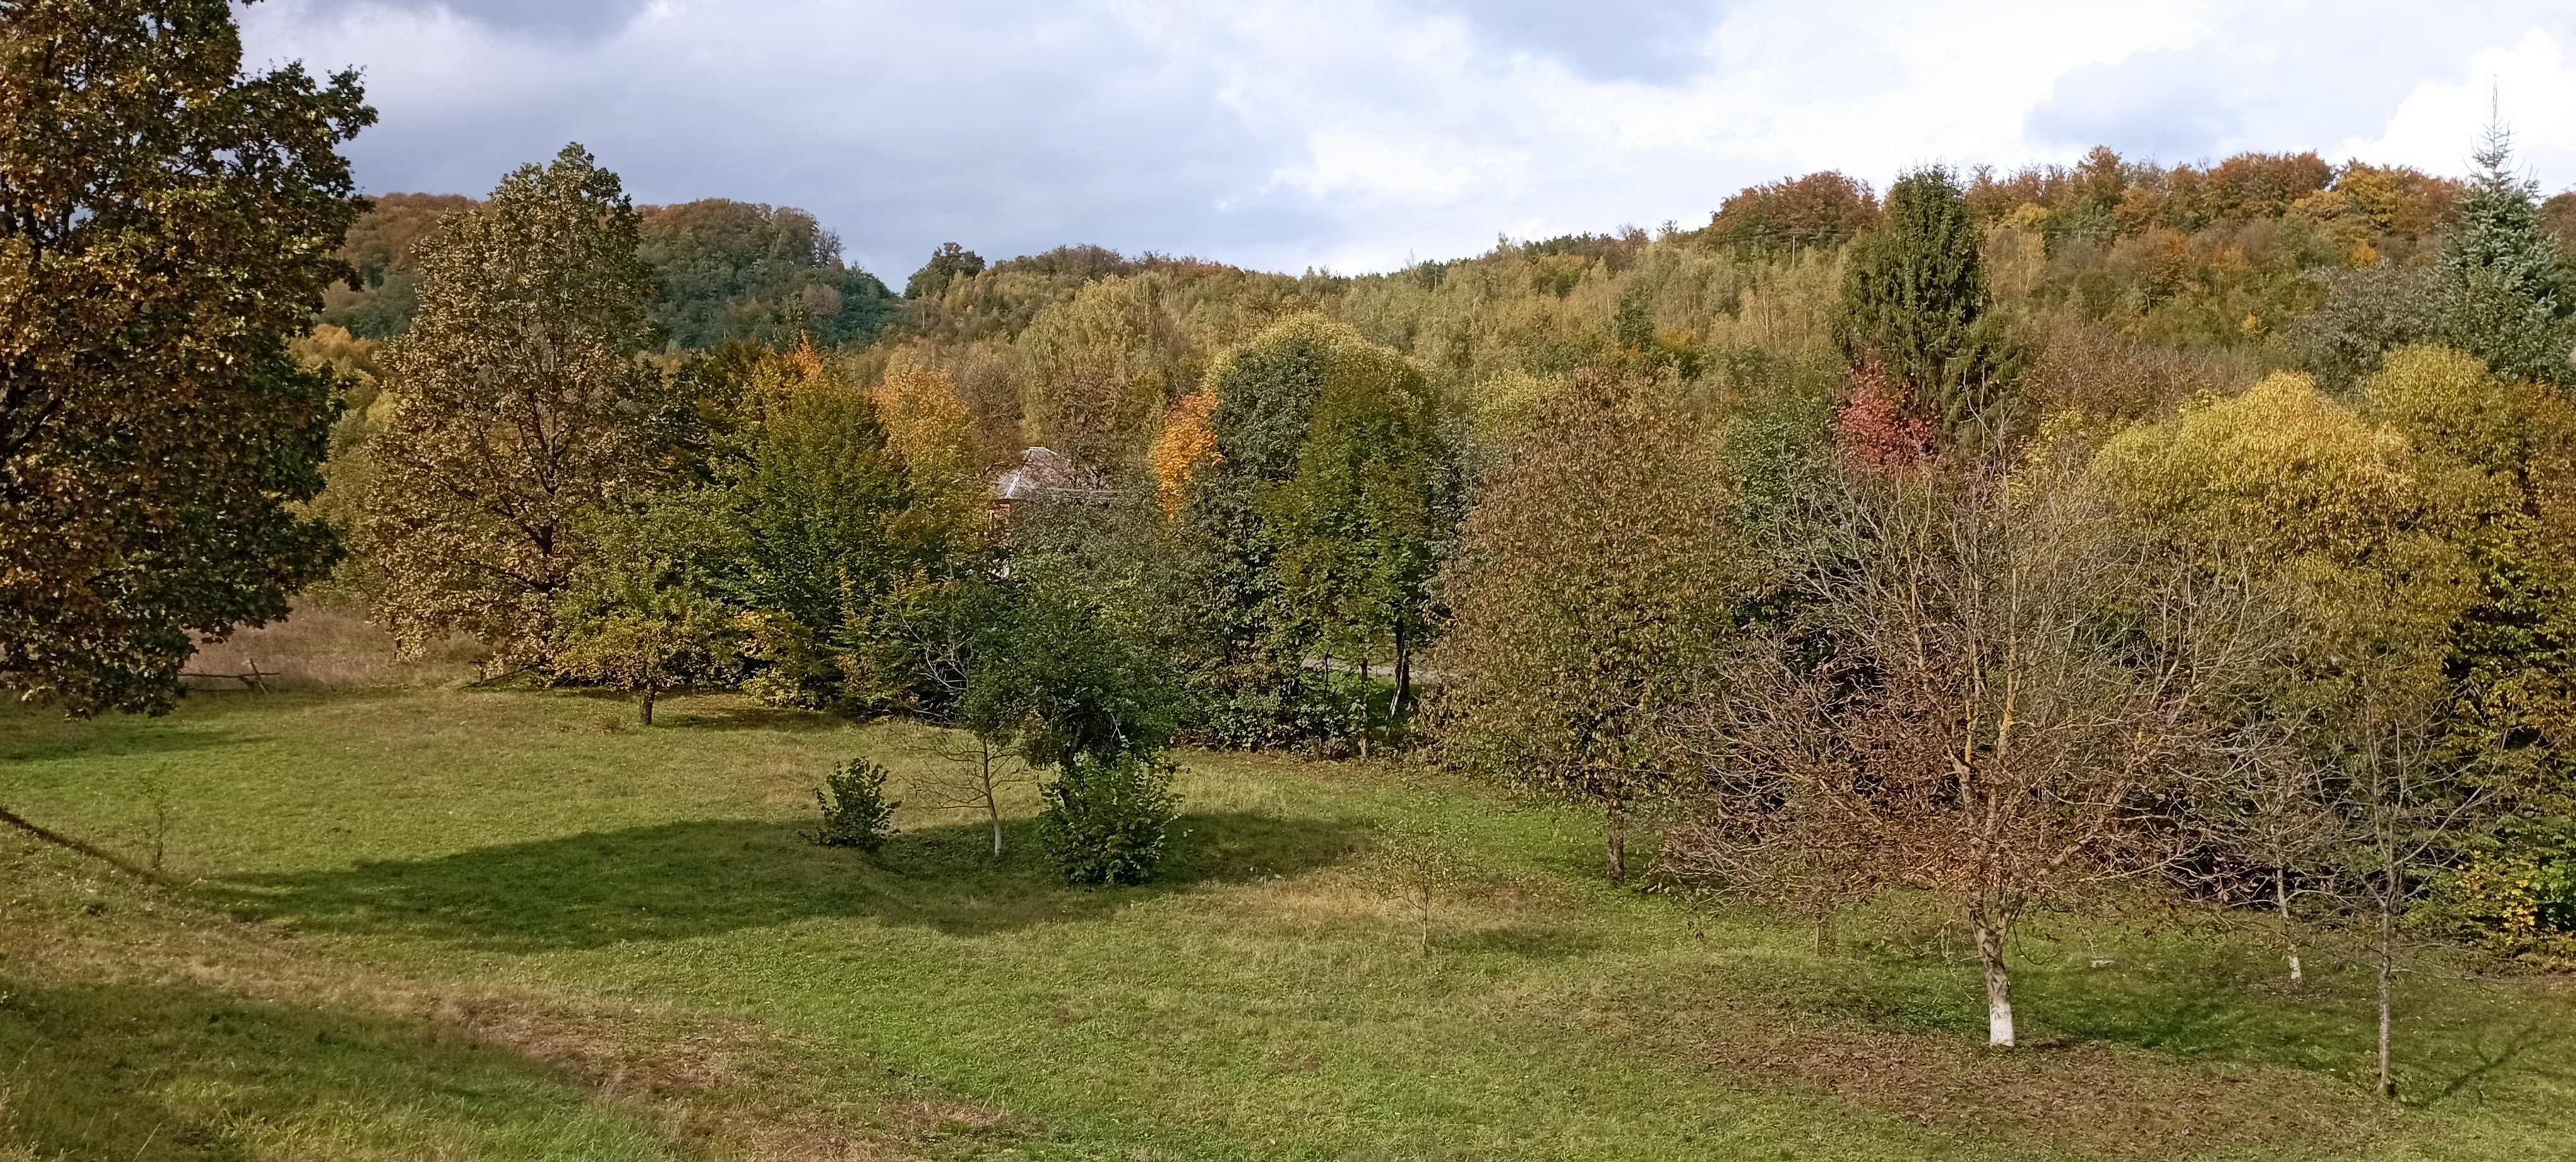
{"x": 324, "y": 647}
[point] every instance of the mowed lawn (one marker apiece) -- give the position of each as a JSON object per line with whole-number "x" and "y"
{"x": 458, "y": 924}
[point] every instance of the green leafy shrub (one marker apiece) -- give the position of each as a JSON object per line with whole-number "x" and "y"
{"x": 855, "y": 810}
{"x": 1103, "y": 820}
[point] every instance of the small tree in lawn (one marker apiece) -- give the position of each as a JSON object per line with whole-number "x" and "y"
{"x": 855, "y": 810}
{"x": 1781, "y": 811}
{"x": 643, "y": 611}
{"x": 1420, "y": 861}
{"x": 951, "y": 627}
{"x": 1055, "y": 681}
{"x": 2402, "y": 804}
{"x": 2265, "y": 825}
{"x": 2352, "y": 532}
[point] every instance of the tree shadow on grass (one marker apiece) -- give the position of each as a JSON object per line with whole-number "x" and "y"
{"x": 677, "y": 880}
{"x": 2216, "y": 1002}
{"x": 27, "y": 740}
{"x": 134, "y": 1072}
{"x": 694, "y": 710}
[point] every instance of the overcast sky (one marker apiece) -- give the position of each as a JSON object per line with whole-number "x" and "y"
{"x": 1355, "y": 134}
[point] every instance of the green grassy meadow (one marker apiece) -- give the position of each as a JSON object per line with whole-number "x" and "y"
{"x": 441, "y": 924}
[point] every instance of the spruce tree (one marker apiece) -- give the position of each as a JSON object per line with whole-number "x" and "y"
{"x": 2499, "y": 291}
{"x": 1914, "y": 295}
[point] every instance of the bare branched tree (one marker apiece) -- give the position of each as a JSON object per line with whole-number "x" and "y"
{"x": 2401, "y": 803}
{"x": 1784, "y": 814}
{"x": 2039, "y": 686}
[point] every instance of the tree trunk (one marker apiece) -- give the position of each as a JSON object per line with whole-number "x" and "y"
{"x": 648, "y": 704}
{"x": 1360, "y": 709}
{"x": 2289, "y": 934}
{"x": 1617, "y": 814}
{"x": 1403, "y": 676}
{"x": 992, "y": 805}
{"x": 1999, "y": 1014}
{"x": 2387, "y": 987}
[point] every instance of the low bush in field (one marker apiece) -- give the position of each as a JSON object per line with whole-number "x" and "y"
{"x": 855, "y": 810}
{"x": 1103, "y": 820}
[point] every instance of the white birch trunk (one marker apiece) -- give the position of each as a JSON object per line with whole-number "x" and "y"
{"x": 1999, "y": 1013}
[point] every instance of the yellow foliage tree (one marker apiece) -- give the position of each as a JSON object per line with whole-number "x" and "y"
{"x": 1187, "y": 444}
{"x": 1098, "y": 369}
{"x": 930, "y": 427}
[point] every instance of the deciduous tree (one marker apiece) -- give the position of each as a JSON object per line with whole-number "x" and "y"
{"x": 2034, "y": 682}
{"x": 645, "y": 608}
{"x": 1595, "y": 579}
{"x": 1100, "y": 369}
{"x": 514, "y": 410}
{"x": 167, "y": 223}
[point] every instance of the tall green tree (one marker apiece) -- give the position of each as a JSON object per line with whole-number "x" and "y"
{"x": 1250, "y": 637}
{"x": 516, "y": 408}
{"x": 1914, "y": 297}
{"x": 166, "y": 227}
{"x": 1595, "y": 579}
{"x": 2500, "y": 286}
{"x": 1369, "y": 515}
{"x": 829, "y": 524}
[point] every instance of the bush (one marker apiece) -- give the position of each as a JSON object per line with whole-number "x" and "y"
{"x": 1103, "y": 819}
{"x": 855, "y": 811}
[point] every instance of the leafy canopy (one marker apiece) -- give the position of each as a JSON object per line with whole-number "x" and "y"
{"x": 166, "y": 226}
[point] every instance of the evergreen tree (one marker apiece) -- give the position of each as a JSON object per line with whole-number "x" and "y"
{"x": 1914, "y": 297}
{"x": 2499, "y": 289}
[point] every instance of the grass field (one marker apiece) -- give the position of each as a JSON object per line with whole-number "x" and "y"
{"x": 442, "y": 924}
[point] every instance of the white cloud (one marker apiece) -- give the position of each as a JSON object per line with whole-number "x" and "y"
{"x": 1353, "y": 133}
{"x": 2529, "y": 83}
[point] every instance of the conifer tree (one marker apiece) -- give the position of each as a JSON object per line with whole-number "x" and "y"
{"x": 1915, "y": 295}
{"x": 2499, "y": 289}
